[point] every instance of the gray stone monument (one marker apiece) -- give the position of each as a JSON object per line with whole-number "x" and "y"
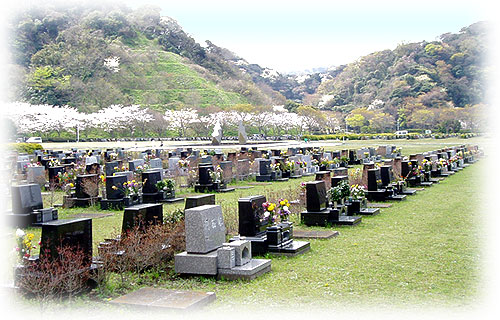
{"x": 208, "y": 254}
{"x": 217, "y": 134}
{"x": 242, "y": 134}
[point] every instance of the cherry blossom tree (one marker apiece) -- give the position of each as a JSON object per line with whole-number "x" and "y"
{"x": 180, "y": 120}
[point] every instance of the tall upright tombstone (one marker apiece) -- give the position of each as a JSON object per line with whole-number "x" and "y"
{"x": 115, "y": 194}
{"x": 150, "y": 194}
{"x": 27, "y": 207}
{"x": 317, "y": 211}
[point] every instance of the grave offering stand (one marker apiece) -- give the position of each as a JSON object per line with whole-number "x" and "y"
{"x": 264, "y": 235}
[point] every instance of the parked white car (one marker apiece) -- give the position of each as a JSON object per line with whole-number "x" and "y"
{"x": 401, "y": 132}
{"x": 34, "y": 140}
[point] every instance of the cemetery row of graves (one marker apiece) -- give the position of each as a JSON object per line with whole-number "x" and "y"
{"x": 344, "y": 186}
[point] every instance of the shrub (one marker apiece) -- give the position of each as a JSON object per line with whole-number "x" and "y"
{"x": 49, "y": 277}
{"x": 26, "y": 147}
{"x": 142, "y": 248}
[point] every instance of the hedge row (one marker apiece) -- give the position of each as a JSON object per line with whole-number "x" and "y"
{"x": 387, "y": 136}
{"x": 23, "y": 147}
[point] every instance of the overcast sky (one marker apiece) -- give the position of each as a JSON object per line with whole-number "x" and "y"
{"x": 297, "y": 35}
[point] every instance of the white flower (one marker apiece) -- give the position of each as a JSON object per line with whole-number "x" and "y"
{"x": 19, "y": 233}
{"x": 266, "y": 214}
{"x": 285, "y": 208}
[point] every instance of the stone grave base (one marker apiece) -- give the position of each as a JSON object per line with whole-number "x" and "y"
{"x": 369, "y": 211}
{"x": 203, "y": 187}
{"x": 325, "y": 217}
{"x": 172, "y": 200}
{"x": 319, "y": 218}
{"x": 210, "y": 188}
{"x": 248, "y": 271}
{"x": 295, "y": 177}
{"x": 84, "y": 202}
{"x": 409, "y": 192}
{"x": 291, "y": 250}
{"x": 163, "y": 299}
{"x": 378, "y": 195}
{"x": 196, "y": 263}
{"x": 379, "y": 205}
{"x": 116, "y": 204}
{"x": 260, "y": 246}
{"x": 434, "y": 180}
{"x": 151, "y": 197}
{"x": 401, "y": 197}
{"x": 314, "y": 234}
{"x": 258, "y": 243}
{"x": 281, "y": 179}
{"x": 346, "y": 220}
{"x": 425, "y": 183}
{"x": 263, "y": 178}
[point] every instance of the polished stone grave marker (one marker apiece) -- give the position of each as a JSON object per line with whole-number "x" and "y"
{"x": 207, "y": 253}
{"x": 142, "y": 215}
{"x": 199, "y": 200}
{"x": 27, "y": 207}
{"x": 317, "y": 211}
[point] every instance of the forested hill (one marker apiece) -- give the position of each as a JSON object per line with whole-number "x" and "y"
{"x": 91, "y": 56}
{"x": 447, "y": 72}
{"x": 95, "y": 55}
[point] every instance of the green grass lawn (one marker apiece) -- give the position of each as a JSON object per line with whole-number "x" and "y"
{"x": 423, "y": 252}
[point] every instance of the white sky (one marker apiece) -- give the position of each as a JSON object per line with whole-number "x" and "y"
{"x": 298, "y": 35}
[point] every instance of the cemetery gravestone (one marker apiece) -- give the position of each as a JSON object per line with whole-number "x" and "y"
{"x": 75, "y": 233}
{"x": 207, "y": 253}
{"x": 141, "y": 216}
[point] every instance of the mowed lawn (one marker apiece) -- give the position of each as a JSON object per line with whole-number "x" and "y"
{"x": 422, "y": 252}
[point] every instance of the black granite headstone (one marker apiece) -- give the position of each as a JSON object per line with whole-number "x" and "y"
{"x": 76, "y": 233}
{"x": 200, "y": 200}
{"x": 142, "y": 215}
{"x": 204, "y": 173}
{"x": 118, "y": 182}
{"x": 316, "y": 199}
{"x": 26, "y": 198}
{"x": 386, "y": 175}
{"x": 149, "y": 180}
{"x": 110, "y": 167}
{"x": 250, "y": 212}
{"x": 86, "y": 186}
{"x": 337, "y": 179}
{"x": 405, "y": 169}
{"x": 374, "y": 179}
{"x": 265, "y": 167}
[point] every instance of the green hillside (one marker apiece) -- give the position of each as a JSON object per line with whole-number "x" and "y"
{"x": 61, "y": 56}
{"x": 159, "y": 79}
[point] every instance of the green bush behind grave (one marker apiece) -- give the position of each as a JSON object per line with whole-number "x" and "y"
{"x": 26, "y": 147}
{"x": 387, "y": 136}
